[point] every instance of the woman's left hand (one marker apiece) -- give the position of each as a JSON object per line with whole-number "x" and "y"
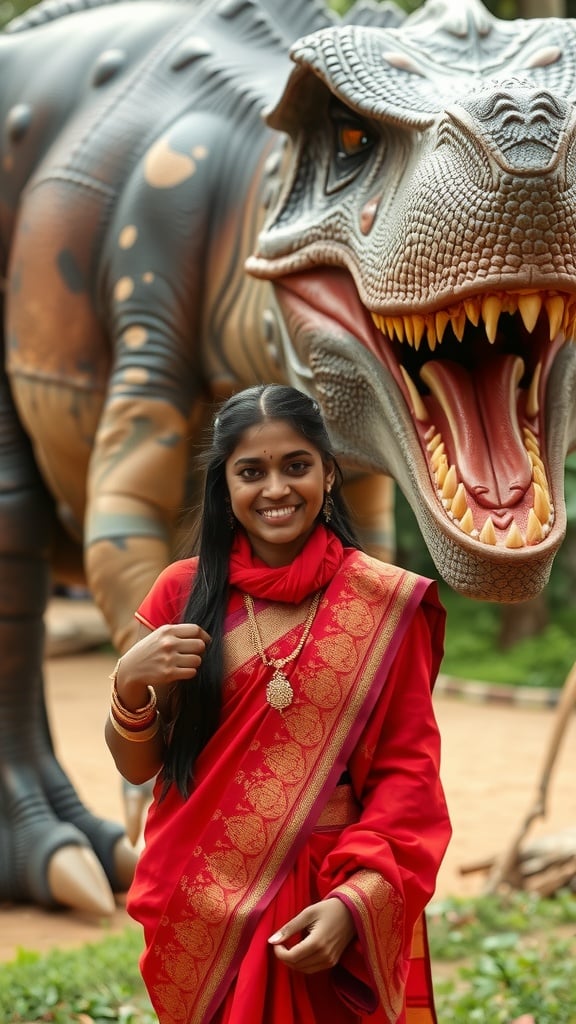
{"x": 327, "y": 928}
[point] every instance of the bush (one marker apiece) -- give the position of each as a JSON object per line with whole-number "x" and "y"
{"x": 511, "y": 957}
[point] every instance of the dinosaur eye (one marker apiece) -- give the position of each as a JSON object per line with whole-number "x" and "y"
{"x": 352, "y": 140}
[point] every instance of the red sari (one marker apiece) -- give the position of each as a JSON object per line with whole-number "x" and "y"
{"x": 267, "y": 829}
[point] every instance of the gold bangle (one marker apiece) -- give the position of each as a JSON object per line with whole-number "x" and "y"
{"x": 139, "y": 713}
{"x": 142, "y": 716}
{"x": 136, "y": 735}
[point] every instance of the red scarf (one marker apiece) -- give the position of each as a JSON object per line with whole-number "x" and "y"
{"x": 311, "y": 570}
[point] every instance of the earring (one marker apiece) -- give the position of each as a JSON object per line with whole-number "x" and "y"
{"x": 230, "y": 517}
{"x": 328, "y": 507}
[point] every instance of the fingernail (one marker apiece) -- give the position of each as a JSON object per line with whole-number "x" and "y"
{"x": 276, "y": 937}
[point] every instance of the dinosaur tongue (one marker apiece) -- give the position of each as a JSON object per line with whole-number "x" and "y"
{"x": 479, "y": 421}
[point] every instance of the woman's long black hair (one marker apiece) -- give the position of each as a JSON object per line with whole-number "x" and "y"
{"x": 196, "y": 704}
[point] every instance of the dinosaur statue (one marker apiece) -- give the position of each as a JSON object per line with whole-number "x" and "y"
{"x": 195, "y": 196}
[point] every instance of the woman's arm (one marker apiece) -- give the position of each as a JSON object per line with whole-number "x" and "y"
{"x": 158, "y": 659}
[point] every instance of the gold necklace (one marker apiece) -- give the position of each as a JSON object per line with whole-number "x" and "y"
{"x": 279, "y": 692}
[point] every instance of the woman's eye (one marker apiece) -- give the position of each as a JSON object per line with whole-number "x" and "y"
{"x": 352, "y": 139}
{"x": 298, "y": 467}
{"x": 250, "y": 473}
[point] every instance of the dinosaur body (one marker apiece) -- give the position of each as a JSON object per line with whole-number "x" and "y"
{"x": 397, "y": 240}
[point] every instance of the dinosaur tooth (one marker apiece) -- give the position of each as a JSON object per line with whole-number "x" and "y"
{"x": 541, "y": 504}
{"x": 472, "y": 310}
{"x": 531, "y": 435}
{"x": 441, "y": 471}
{"x": 555, "y": 307}
{"x": 539, "y": 477}
{"x": 466, "y": 523}
{"x": 378, "y": 321}
{"x": 459, "y": 503}
{"x": 434, "y": 441}
{"x": 531, "y": 446}
{"x": 437, "y": 455}
{"x": 491, "y": 309}
{"x": 398, "y": 326}
{"x": 418, "y": 407}
{"x": 488, "y": 533}
{"x": 536, "y": 461}
{"x": 419, "y": 328}
{"x": 514, "y": 538}
{"x": 450, "y": 485}
{"x": 529, "y": 306}
{"x": 534, "y": 531}
{"x": 441, "y": 320}
{"x": 532, "y": 402}
{"x": 459, "y": 324}
{"x": 431, "y": 334}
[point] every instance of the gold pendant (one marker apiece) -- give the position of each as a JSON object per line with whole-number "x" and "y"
{"x": 279, "y": 693}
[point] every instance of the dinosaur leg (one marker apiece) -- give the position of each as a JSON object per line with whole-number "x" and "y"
{"x": 45, "y": 855}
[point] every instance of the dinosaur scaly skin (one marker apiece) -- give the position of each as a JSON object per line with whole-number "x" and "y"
{"x": 434, "y": 170}
{"x": 406, "y": 221}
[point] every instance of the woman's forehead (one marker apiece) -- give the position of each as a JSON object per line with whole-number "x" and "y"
{"x": 272, "y": 438}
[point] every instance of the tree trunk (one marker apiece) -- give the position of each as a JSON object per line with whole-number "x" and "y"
{"x": 519, "y": 621}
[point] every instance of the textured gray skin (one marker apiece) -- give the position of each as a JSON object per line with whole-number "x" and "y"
{"x": 471, "y": 162}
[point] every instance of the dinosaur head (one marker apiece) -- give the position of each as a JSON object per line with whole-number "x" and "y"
{"x": 423, "y": 252}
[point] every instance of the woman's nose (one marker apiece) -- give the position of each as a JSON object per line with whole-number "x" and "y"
{"x": 276, "y": 486}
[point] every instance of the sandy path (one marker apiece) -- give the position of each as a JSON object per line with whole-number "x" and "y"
{"x": 491, "y": 765}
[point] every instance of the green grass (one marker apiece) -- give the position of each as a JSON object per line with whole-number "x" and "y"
{"x": 493, "y": 959}
{"x": 472, "y": 646}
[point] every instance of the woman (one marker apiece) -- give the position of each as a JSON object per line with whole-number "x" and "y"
{"x": 298, "y": 821}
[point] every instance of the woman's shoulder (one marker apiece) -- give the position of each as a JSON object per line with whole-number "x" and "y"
{"x": 182, "y": 568}
{"x": 166, "y": 600}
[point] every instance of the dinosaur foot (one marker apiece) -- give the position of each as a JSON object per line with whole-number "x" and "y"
{"x": 136, "y": 801}
{"x": 53, "y": 851}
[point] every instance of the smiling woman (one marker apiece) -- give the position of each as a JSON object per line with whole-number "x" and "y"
{"x": 298, "y": 820}
{"x": 277, "y": 489}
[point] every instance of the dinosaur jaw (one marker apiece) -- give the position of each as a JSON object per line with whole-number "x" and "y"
{"x": 473, "y": 378}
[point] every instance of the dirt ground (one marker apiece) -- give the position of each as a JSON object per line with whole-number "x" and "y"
{"x": 492, "y": 759}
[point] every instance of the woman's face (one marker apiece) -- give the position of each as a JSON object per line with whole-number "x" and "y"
{"x": 276, "y": 481}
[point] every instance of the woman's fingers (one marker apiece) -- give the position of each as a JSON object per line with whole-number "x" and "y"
{"x": 325, "y": 928}
{"x": 165, "y": 655}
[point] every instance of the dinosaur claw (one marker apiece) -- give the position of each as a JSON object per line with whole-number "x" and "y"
{"x": 125, "y": 856}
{"x": 136, "y": 800}
{"x": 77, "y": 880}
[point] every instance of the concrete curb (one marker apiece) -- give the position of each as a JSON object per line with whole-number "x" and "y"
{"x": 492, "y": 693}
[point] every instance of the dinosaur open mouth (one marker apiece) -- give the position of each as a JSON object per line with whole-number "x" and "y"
{"x": 474, "y": 378}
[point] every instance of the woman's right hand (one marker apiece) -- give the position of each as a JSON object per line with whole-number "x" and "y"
{"x": 164, "y": 656}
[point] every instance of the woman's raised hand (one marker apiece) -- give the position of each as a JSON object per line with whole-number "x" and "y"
{"x": 164, "y": 656}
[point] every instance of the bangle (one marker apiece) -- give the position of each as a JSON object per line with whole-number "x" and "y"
{"x": 136, "y": 720}
{"x": 136, "y": 735}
